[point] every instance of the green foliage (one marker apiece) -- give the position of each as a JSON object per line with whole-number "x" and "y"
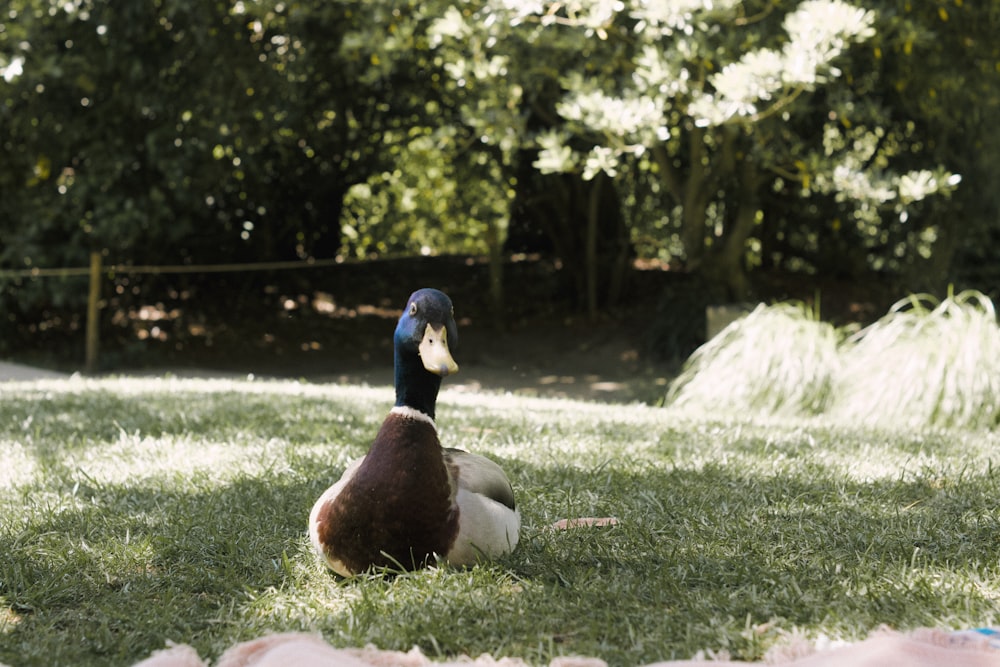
{"x": 926, "y": 78}
{"x": 139, "y": 512}
{"x": 173, "y": 131}
{"x": 114, "y": 122}
{"x": 435, "y": 206}
{"x": 702, "y": 96}
{"x": 924, "y": 364}
{"x": 810, "y": 135}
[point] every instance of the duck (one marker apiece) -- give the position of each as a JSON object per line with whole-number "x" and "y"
{"x": 410, "y": 502}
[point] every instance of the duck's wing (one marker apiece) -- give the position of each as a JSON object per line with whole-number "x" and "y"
{"x": 479, "y": 474}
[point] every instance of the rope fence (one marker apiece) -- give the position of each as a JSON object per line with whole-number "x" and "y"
{"x": 169, "y": 269}
{"x": 97, "y": 269}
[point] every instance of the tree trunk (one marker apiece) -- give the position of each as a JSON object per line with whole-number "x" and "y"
{"x": 695, "y": 200}
{"x": 591, "y": 267}
{"x": 726, "y": 263}
{"x": 620, "y": 262}
{"x": 583, "y": 223}
{"x": 931, "y": 274}
{"x": 495, "y": 242}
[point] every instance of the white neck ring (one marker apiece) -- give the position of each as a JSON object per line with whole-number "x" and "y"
{"x": 413, "y": 413}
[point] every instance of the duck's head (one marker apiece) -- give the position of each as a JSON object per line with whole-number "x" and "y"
{"x": 425, "y": 334}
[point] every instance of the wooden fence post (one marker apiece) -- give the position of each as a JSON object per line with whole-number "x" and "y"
{"x": 93, "y": 312}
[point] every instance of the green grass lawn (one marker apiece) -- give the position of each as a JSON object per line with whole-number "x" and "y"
{"x": 136, "y": 512}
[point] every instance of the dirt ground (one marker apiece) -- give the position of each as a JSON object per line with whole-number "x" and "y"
{"x": 568, "y": 358}
{"x": 335, "y": 325}
{"x": 602, "y": 363}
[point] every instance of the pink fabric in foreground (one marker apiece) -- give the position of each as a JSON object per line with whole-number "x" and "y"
{"x": 885, "y": 648}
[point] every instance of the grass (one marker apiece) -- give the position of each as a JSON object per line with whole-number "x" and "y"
{"x": 926, "y": 363}
{"x": 136, "y": 512}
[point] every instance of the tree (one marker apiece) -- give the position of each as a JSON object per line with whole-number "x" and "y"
{"x": 504, "y": 84}
{"x": 710, "y": 109}
{"x": 714, "y": 134}
{"x": 939, "y": 66}
{"x": 183, "y": 131}
{"x": 707, "y": 96}
{"x": 114, "y": 152}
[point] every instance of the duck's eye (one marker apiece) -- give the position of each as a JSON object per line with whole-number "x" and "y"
{"x": 413, "y": 309}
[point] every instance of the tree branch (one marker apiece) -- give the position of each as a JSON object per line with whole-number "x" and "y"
{"x": 669, "y": 174}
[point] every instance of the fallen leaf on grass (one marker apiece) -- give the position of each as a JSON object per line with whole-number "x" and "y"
{"x": 584, "y": 521}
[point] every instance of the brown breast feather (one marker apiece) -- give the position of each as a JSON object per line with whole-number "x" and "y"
{"x": 398, "y": 509}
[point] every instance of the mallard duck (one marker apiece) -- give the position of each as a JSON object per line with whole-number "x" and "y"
{"x": 409, "y": 500}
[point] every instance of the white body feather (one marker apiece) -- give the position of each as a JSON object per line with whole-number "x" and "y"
{"x": 485, "y": 528}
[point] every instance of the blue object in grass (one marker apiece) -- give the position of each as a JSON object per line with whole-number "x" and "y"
{"x": 992, "y": 633}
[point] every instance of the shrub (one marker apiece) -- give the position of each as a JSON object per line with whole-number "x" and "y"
{"x": 779, "y": 360}
{"x": 925, "y": 363}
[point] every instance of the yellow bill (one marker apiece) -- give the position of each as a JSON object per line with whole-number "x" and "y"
{"x": 435, "y": 353}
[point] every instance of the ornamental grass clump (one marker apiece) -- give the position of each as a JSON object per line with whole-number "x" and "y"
{"x": 778, "y": 360}
{"x": 925, "y": 363}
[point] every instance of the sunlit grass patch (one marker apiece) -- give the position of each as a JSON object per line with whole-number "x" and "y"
{"x": 18, "y": 465}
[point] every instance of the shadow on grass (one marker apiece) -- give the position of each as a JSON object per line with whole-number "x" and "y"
{"x": 112, "y": 574}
